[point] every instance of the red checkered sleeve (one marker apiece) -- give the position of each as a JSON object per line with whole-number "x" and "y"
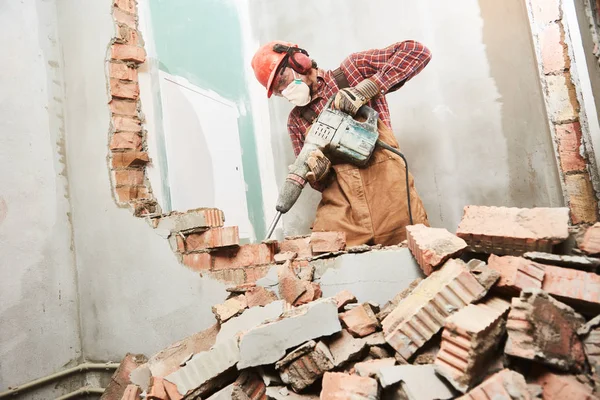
{"x": 390, "y": 67}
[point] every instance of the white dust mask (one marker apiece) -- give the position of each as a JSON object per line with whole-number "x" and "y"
{"x": 297, "y": 92}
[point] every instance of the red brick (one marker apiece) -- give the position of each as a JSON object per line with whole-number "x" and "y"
{"x": 123, "y": 71}
{"x": 128, "y": 193}
{"x": 578, "y": 289}
{"x": 212, "y": 239}
{"x": 129, "y": 159}
{"x": 249, "y": 386}
{"x": 157, "y": 389}
{"x": 290, "y": 286}
{"x": 561, "y": 386}
{"x": 554, "y": 51}
{"x": 129, "y": 177}
{"x": 312, "y": 293}
{"x": 561, "y": 98}
{"x": 582, "y": 201}
{"x": 259, "y": 296}
{"x": 338, "y": 386}
{"x": 432, "y": 246}
{"x": 255, "y": 273}
{"x": 126, "y": 18}
{"x": 124, "y": 90}
{"x": 423, "y": 312}
{"x": 128, "y": 35}
{"x": 504, "y": 385}
{"x": 516, "y": 274}
{"x": 327, "y": 242}
{"x": 300, "y": 246}
{"x": 344, "y": 297}
{"x": 126, "y": 141}
{"x": 281, "y": 258}
{"x": 502, "y": 230}
{"x": 230, "y": 308}
{"x": 126, "y": 124}
{"x": 198, "y": 261}
{"x": 305, "y": 365}
{"x": 172, "y": 391}
{"x": 470, "y": 338}
{"x": 569, "y": 143}
{"x": 127, "y": 52}
{"x": 125, "y": 5}
{"x": 233, "y": 276}
{"x": 545, "y": 11}
{"x": 591, "y": 240}
{"x": 244, "y": 256}
{"x": 120, "y": 382}
{"x": 123, "y": 107}
{"x": 544, "y": 330}
{"x": 360, "y": 320}
{"x": 131, "y": 392}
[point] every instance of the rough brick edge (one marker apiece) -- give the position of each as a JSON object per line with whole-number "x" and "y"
{"x": 567, "y": 119}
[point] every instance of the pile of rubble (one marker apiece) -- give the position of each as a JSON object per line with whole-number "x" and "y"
{"x": 508, "y": 309}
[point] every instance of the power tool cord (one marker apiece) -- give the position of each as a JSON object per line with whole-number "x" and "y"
{"x": 396, "y": 151}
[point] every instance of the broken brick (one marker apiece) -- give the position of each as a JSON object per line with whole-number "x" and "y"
{"x": 344, "y": 347}
{"x": 516, "y": 273}
{"x": 120, "y": 382}
{"x": 513, "y": 231}
{"x": 126, "y": 141}
{"x": 128, "y": 124}
{"x": 198, "y": 261}
{"x": 244, "y": 256}
{"x": 129, "y": 193}
{"x": 124, "y": 90}
{"x": 339, "y": 386}
{"x": 578, "y": 289}
{"x": 327, "y": 242}
{"x": 281, "y": 258}
{"x": 131, "y": 177}
{"x": 125, "y": 5}
{"x": 157, "y": 389}
{"x": 123, "y": 17}
{"x": 305, "y": 365}
{"x": 470, "y": 338}
{"x": 344, "y": 297}
{"x": 213, "y": 238}
{"x": 553, "y": 49}
{"x": 393, "y": 303}
{"x": 313, "y": 292}
{"x": 123, "y": 71}
{"x": 233, "y": 276}
{"x": 557, "y": 386}
{"x": 431, "y": 247}
{"x": 591, "y": 240}
{"x": 543, "y": 329}
{"x": 504, "y": 385}
{"x": 360, "y": 321}
{"x": 259, "y": 296}
{"x": 129, "y": 159}
{"x": 371, "y": 367}
{"x": 423, "y": 313}
{"x": 255, "y": 273}
{"x": 127, "y": 35}
{"x": 123, "y": 107}
{"x": 416, "y": 382}
{"x": 590, "y": 334}
{"x": 486, "y": 276}
{"x": 299, "y": 245}
{"x": 131, "y": 392}
{"x": 249, "y": 386}
{"x": 230, "y": 308}
{"x": 581, "y": 263}
{"x": 582, "y": 198}
{"x": 127, "y": 52}
{"x": 192, "y": 220}
{"x": 290, "y": 286}
{"x": 569, "y": 141}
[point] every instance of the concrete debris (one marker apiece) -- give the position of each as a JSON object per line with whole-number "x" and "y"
{"x": 504, "y": 385}
{"x": 339, "y": 386}
{"x": 267, "y": 343}
{"x": 418, "y": 382}
{"x": 305, "y": 365}
{"x": 295, "y": 348}
{"x": 360, "y": 321}
{"x": 543, "y": 329}
{"x": 418, "y": 317}
{"x": 582, "y": 263}
{"x": 432, "y": 246}
{"x": 469, "y": 339}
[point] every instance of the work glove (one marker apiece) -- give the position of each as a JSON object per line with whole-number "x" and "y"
{"x": 318, "y": 166}
{"x": 349, "y": 100}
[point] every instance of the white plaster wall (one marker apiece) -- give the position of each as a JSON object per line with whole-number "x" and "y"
{"x": 472, "y": 124}
{"x": 134, "y": 295}
{"x": 39, "y": 322}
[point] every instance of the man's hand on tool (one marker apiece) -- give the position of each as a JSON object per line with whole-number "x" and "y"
{"x": 349, "y": 100}
{"x": 318, "y": 165}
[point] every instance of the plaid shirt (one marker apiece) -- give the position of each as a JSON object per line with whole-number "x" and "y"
{"x": 390, "y": 68}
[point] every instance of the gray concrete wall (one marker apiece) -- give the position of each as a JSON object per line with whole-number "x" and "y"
{"x": 39, "y": 321}
{"x": 134, "y": 295}
{"x": 472, "y": 124}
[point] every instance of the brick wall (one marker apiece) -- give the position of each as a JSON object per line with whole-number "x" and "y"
{"x": 551, "y": 40}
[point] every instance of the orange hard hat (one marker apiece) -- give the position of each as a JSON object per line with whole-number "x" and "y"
{"x": 266, "y": 61}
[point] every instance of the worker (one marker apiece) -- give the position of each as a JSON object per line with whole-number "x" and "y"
{"x": 368, "y": 203}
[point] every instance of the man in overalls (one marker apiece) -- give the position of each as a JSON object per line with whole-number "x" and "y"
{"x": 368, "y": 203}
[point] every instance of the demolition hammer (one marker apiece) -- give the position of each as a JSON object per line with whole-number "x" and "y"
{"x": 337, "y": 134}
